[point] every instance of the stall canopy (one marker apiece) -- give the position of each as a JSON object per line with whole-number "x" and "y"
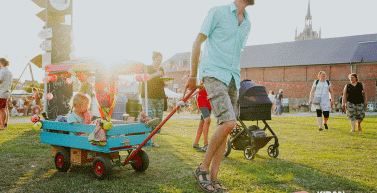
{"x": 21, "y": 93}
{"x": 171, "y": 94}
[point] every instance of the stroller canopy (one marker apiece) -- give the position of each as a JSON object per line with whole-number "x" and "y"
{"x": 251, "y": 93}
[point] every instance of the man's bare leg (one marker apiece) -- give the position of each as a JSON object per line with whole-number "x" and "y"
{"x": 217, "y": 140}
{"x": 2, "y": 118}
{"x": 216, "y": 160}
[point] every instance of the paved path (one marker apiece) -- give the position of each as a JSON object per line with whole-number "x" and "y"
{"x": 186, "y": 116}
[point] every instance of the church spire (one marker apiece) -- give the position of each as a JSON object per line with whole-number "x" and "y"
{"x": 308, "y": 15}
{"x": 308, "y": 32}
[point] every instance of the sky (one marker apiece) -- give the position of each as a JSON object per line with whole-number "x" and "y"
{"x": 115, "y": 30}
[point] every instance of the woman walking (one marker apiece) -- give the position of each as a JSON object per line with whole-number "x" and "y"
{"x": 278, "y": 99}
{"x": 319, "y": 99}
{"x": 271, "y": 96}
{"x": 354, "y": 97}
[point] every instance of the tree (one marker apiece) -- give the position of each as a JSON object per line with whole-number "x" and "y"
{"x": 39, "y": 86}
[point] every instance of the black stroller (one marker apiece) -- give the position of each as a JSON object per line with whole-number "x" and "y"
{"x": 254, "y": 105}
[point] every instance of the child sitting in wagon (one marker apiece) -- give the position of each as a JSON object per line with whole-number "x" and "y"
{"x": 80, "y": 113}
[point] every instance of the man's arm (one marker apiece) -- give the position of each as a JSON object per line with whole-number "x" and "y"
{"x": 195, "y": 55}
{"x": 157, "y": 74}
{"x": 1, "y": 76}
{"x": 332, "y": 95}
{"x": 312, "y": 94}
{"x": 365, "y": 96}
{"x": 344, "y": 97}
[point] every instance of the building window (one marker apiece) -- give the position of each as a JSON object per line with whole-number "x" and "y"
{"x": 180, "y": 63}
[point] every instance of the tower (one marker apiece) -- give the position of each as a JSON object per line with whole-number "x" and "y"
{"x": 308, "y": 32}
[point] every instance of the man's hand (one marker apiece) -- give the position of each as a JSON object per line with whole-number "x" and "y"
{"x": 332, "y": 103}
{"x": 191, "y": 83}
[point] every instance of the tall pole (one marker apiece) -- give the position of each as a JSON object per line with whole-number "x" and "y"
{"x": 146, "y": 95}
{"x": 31, "y": 72}
{"x": 45, "y": 82}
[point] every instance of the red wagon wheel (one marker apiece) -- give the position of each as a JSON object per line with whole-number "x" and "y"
{"x": 102, "y": 167}
{"x": 62, "y": 160}
{"x": 142, "y": 161}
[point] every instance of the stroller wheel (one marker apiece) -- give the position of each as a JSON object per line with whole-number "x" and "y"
{"x": 249, "y": 153}
{"x": 273, "y": 151}
{"x": 228, "y": 148}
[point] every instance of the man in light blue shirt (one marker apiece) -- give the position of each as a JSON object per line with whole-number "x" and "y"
{"x": 224, "y": 31}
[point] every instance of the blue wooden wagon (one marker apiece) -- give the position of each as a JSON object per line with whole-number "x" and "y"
{"x": 70, "y": 148}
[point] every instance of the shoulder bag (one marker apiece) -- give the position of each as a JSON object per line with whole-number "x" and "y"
{"x": 316, "y": 99}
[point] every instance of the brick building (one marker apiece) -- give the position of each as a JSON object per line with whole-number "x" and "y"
{"x": 293, "y": 66}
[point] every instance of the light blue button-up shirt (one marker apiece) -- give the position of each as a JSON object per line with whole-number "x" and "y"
{"x": 225, "y": 40}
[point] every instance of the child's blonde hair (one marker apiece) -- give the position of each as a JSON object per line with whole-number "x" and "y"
{"x": 77, "y": 99}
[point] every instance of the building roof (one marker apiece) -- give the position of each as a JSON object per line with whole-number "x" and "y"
{"x": 306, "y": 52}
{"x": 365, "y": 52}
{"x": 174, "y": 60}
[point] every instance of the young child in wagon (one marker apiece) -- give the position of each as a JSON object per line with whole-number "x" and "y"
{"x": 80, "y": 113}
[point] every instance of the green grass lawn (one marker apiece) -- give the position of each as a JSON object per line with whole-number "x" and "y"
{"x": 333, "y": 160}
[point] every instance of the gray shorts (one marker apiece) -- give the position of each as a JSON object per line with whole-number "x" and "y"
{"x": 205, "y": 113}
{"x": 223, "y": 99}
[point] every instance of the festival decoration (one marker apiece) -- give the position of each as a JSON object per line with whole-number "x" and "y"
{"x": 37, "y": 125}
{"x": 146, "y": 77}
{"x": 68, "y": 81}
{"x": 35, "y": 118}
{"x": 53, "y": 78}
{"x": 139, "y": 78}
{"x": 49, "y": 96}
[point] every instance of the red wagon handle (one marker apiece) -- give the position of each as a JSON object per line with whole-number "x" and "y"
{"x": 185, "y": 99}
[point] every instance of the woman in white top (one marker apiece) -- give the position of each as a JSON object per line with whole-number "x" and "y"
{"x": 322, "y": 88}
{"x": 271, "y": 96}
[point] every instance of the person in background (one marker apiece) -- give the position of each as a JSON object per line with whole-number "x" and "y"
{"x": 36, "y": 97}
{"x": 205, "y": 119}
{"x": 278, "y": 104}
{"x": 354, "y": 100}
{"x": 8, "y": 109}
{"x": 6, "y": 78}
{"x": 22, "y": 108}
{"x": 225, "y": 31}
{"x": 155, "y": 91}
{"x": 340, "y": 103}
{"x": 322, "y": 88}
{"x": 14, "y": 111}
{"x": 271, "y": 96}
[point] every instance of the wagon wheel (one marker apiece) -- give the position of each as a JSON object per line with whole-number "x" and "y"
{"x": 273, "y": 151}
{"x": 62, "y": 160}
{"x": 142, "y": 161}
{"x": 102, "y": 167}
{"x": 228, "y": 148}
{"x": 249, "y": 153}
